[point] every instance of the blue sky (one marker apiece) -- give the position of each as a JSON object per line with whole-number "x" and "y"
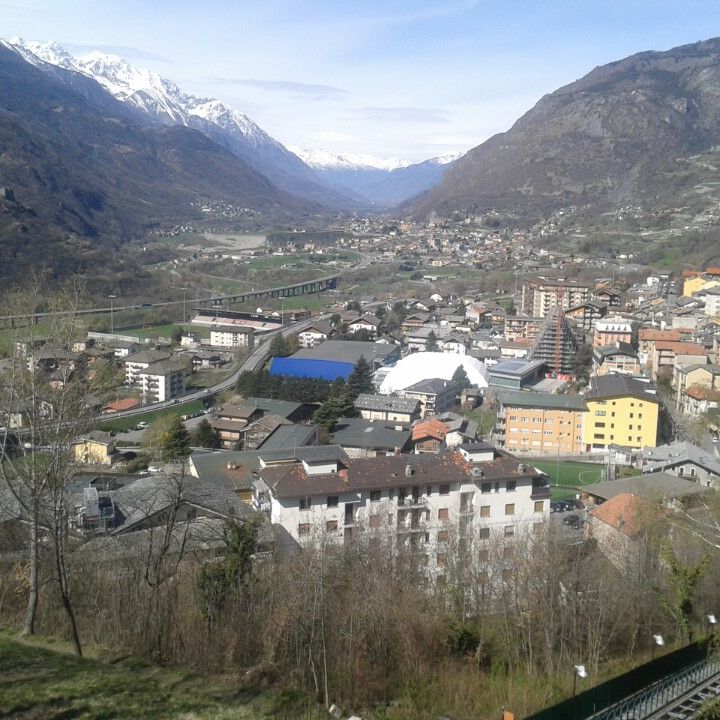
{"x": 412, "y": 79}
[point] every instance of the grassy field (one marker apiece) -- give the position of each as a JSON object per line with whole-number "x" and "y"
{"x": 484, "y": 418}
{"x": 42, "y": 680}
{"x": 128, "y": 423}
{"x": 569, "y": 474}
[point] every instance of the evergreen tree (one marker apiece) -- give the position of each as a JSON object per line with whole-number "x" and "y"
{"x": 205, "y": 435}
{"x": 361, "y": 378}
{"x": 431, "y": 345}
{"x": 460, "y": 378}
{"x": 175, "y": 441}
{"x": 335, "y": 407}
{"x": 279, "y": 346}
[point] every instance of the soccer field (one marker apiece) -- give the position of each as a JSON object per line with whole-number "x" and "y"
{"x": 570, "y": 473}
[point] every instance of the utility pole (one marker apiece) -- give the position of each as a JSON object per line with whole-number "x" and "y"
{"x": 112, "y": 309}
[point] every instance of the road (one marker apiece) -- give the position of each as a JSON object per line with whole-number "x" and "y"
{"x": 255, "y": 360}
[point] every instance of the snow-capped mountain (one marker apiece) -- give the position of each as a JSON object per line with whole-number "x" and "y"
{"x": 164, "y": 102}
{"x": 324, "y": 159}
{"x": 382, "y": 181}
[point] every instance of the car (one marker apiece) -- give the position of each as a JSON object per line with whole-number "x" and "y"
{"x": 141, "y": 426}
{"x": 557, "y": 506}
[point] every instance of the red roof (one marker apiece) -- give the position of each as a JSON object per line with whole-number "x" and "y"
{"x": 120, "y": 405}
{"x": 429, "y": 429}
{"x": 625, "y": 512}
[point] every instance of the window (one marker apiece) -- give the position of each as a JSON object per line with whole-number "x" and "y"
{"x": 443, "y": 514}
{"x": 600, "y": 413}
{"x": 331, "y": 525}
{"x": 486, "y": 487}
{"x": 510, "y": 485}
{"x": 483, "y": 533}
{"x": 483, "y": 555}
{"x": 510, "y": 509}
{"x": 303, "y": 529}
{"x": 538, "y": 526}
{"x": 375, "y": 495}
{"x": 444, "y": 489}
{"x": 375, "y": 520}
{"x": 509, "y": 530}
{"x": 484, "y": 511}
{"x": 442, "y": 536}
{"x": 332, "y": 501}
{"x": 539, "y": 506}
{"x": 305, "y": 503}
{"x": 441, "y": 559}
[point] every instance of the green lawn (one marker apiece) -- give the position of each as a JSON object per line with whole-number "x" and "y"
{"x": 42, "y": 680}
{"x": 569, "y": 474}
{"x": 128, "y": 423}
{"x": 485, "y": 419}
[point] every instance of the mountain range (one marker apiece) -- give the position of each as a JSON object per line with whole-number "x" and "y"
{"x": 642, "y": 131}
{"x": 164, "y": 103}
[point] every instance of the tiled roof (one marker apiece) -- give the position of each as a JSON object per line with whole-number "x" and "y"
{"x": 625, "y": 512}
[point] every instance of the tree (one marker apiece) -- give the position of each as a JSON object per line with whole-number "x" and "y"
{"x": 381, "y": 312}
{"x": 205, "y": 435}
{"x": 279, "y": 346}
{"x": 336, "y": 406}
{"x": 177, "y": 334}
{"x": 175, "y": 442}
{"x": 460, "y": 377}
{"x": 582, "y": 362}
{"x": 50, "y": 396}
{"x": 335, "y": 319}
{"x": 361, "y": 378}
{"x": 431, "y": 345}
{"x": 354, "y": 305}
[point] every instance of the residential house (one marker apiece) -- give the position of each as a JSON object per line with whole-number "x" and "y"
{"x": 587, "y": 314}
{"x": 232, "y": 337}
{"x": 314, "y": 334}
{"x": 429, "y": 436}
{"x": 367, "y": 322}
{"x": 670, "y": 356}
{"x": 521, "y": 327}
{"x": 95, "y": 448}
{"x": 685, "y": 460}
{"x": 620, "y": 357}
{"x": 435, "y": 395}
{"x": 367, "y": 438}
{"x": 388, "y": 407}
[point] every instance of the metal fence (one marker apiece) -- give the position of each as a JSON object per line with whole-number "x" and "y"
{"x": 607, "y": 695}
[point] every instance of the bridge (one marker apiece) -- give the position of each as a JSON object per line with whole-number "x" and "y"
{"x": 307, "y": 287}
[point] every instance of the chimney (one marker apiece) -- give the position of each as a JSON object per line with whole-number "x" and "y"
{"x": 408, "y": 471}
{"x": 522, "y": 468}
{"x": 344, "y": 474}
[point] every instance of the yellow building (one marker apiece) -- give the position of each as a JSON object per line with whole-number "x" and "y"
{"x": 540, "y": 423}
{"x": 695, "y": 284}
{"x": 622, "y": 410}
{"x": 95, "y": 448}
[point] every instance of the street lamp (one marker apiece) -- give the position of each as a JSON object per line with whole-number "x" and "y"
{"x": 112, "y": 308}
{"x": 658, "y": 641}
{"x": 579, "y": 671}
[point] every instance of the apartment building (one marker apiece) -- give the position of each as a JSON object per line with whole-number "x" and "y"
{"x": 696, "y": 384}
{"x": 540, "y": 295}
{"x": 314, "y": 335}
{"x": 540, "y": 423}
{"x": 521, "y": 327}
{"x": 609, "y": 331}
{"x": 670, "y": 356}
{"x": 622, "y": 410}
{"x": 388, "y": 407}
{"x": 619, "y": 357}
{"x": 162, "y": 381}
{"x": 229, "y": 336}
{"x": 435, "y": 395}
{"x": 137, "y": 362}
{"x": 422, "y": 502}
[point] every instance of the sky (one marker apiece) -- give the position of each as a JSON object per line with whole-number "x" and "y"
{"x": 411, "y": 79}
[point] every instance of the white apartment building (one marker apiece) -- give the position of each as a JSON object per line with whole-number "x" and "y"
{"x": 228, "y": 336}
{"x": 162, "y": 381}
{"x": 312, "y": 336}
{"x": 426, "y": 502}
{"x": 136, "y": 363}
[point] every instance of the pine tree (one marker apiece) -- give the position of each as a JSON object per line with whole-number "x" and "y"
{"x": 335, "y": 407}
{"x": 205, "y": 436}
{"x": 460, "y": 378}
{"x": 431, "y": 344}
{"x": 279, "y": 346}
{"x": 361, "y": 378}
{"x": 175, "y": 442}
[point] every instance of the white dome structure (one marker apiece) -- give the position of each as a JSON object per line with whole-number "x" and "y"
{"x": 425, "y": 365}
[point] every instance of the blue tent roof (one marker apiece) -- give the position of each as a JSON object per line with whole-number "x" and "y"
{"x": 308, "y": 368}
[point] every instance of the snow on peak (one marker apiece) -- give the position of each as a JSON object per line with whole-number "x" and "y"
{"x": 446, "y": 159}
{"x": 49, "y": 52}
{"x": 347, "y": 161}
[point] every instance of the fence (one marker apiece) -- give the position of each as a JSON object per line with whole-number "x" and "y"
{"x": 601, "y": 697}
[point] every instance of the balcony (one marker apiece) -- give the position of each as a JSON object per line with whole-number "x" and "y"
{"x": 413, "y": 527}
{"x": 540, "y": 492}
{"x": 412, "y": 502}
